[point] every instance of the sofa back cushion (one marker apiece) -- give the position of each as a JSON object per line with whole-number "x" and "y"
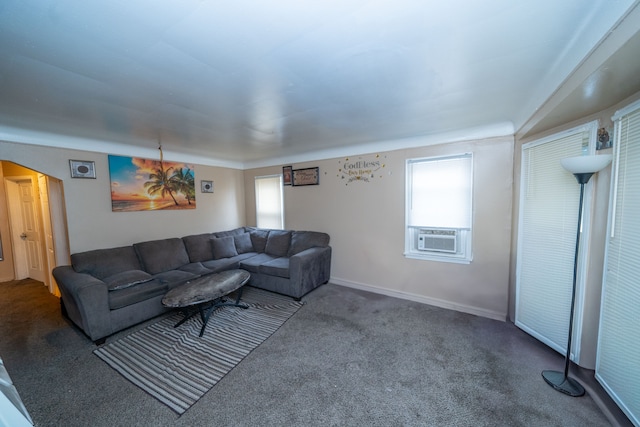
{"x": 103, "y": 263}
{"x": 198, "y": 247}
{"x": 233, "y": 232}
{"x": 158, "y": 256}
{"x": 303, "y": 240}
{"x": 278, "y": 243}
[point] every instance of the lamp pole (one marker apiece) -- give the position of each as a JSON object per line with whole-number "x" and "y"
{"x": 561, "y": 380}
{"x": 582, "y": 168}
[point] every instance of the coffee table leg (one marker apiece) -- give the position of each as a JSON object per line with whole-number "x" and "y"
{"x": 186, "y": 316}
{"x": 217, "y": 304}
{"x": 237, "y": 304}
{"x": 205, "y": 318}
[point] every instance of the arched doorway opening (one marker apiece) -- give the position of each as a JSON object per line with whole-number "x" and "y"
{"x": 33, "y": 225}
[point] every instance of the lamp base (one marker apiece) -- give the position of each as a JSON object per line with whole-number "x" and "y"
{"x": 563, "y": 384}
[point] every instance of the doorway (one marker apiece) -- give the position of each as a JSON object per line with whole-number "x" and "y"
{"x": 37, "y": 224}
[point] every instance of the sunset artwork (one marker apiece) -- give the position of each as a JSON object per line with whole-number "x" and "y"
{"x": 146, "y": 185}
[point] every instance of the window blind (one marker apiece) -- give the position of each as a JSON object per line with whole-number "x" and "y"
{"x": 269, "y": 202}
{"x": 618, "y": 360}
{"x": 441, "y": 192}
{"x": 549, "y": 199}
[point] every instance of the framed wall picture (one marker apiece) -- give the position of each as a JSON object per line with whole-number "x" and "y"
{"x": 286, "y": 175}
{"x": 82, "y": 169}
{"x": 308, "y": 176}
{"x": 206, "y": 186}
{"x": 139, "y": 184}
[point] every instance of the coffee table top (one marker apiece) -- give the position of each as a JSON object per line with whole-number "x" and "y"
{"x": 206, "y": 288}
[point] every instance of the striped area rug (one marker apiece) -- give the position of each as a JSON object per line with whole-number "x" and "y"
{"x": 178, "y": 367}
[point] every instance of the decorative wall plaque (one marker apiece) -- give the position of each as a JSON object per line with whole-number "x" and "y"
{"x": 361, "y": 169}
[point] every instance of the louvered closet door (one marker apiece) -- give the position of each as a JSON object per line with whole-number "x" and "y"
{"x": 618, "y": 358}
{"x": 549, "y": 199}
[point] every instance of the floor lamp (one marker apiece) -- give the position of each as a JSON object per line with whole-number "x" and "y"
{"x": 582, "y": 167}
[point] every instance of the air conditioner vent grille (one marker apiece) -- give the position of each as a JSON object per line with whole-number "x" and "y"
{"x": 437, "y": 240}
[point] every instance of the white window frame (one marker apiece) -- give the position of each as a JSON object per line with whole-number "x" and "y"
{"x": 280, "y": 203}
{"x": 463, "y": 234}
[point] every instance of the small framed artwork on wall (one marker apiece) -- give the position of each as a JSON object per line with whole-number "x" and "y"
{"x": 82, "y": 169}
{"x": 206, "y": 186}
{"x": 286, "y": 175}
{"x": 308, "y": 176}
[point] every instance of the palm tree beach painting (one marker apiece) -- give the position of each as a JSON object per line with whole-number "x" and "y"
{"x": 147, "y": 185}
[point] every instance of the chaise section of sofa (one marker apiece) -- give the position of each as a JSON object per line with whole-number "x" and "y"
{"x": 292, "y": 263}
{"x": 107, "y": 290}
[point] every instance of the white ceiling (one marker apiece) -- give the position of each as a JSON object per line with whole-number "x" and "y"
{"x": 249, "y": 83}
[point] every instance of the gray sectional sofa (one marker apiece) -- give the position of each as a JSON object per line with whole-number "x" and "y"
{"x": 107, "y": 290}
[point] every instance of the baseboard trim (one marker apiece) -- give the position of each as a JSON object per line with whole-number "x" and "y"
{"x": 421, "y": 299}
{"x": 594, "y": 389}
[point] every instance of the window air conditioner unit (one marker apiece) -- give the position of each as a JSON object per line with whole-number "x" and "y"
{"x": 438, "y": 240}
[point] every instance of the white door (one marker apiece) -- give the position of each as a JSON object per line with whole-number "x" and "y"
{"x": 47, "y": 229}
{"x": 23, "y": 202}
{"x": 54, "y": 227}
{"x": 21, "y": 269}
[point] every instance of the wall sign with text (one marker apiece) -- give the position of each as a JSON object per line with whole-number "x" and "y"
{"x": 361, "y": 169}
{"x": 308, "y": 176}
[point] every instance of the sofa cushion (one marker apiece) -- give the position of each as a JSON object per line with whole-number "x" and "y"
{"x": 126, "y": 279}
{"x": 278, "y": 243}
{"x": 195, "y": 268}
{"x": 252, "y": 264}
{"x": 134, "y": 294}
{"x": 223, "y": 247}
{"x": 258, "y": 238}
{"x": 234, "y": 232}
{"x": 103, "y": 263}
{"x": 217, "y": 265}
{"x": 198, "y": 247}
{"x": 158, "y": 256}
{"x": 303, "y": 240}
{"x": 277, "y": 267}
{"x": 243, "y": 243}
{"x": 174, "y": 277}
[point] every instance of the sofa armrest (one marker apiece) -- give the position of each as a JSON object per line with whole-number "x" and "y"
{"x": 86, "y": 301}
{"x": 310, "y": 268}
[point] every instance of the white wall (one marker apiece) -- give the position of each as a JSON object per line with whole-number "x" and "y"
{"x": 92, "y": 224}
{"x": 366, "y": 223}
{"x": 364, "y": 219}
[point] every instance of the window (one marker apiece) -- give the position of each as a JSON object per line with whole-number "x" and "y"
{"x": 269, "y": 211}
{"x": 439, "y": 208}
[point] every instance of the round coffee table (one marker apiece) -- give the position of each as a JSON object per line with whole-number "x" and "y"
{"x": 206, "y": 293}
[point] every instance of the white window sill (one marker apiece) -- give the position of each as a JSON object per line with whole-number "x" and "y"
{"x": 439, "y": 258}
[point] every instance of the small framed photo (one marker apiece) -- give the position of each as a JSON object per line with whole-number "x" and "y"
{"x": 82, "y": 169}
{"x": 287, "y": 175}
{"x": 308, "y": 176}
{"x": 206, "y": 186}
{"x": 604, "y": 139}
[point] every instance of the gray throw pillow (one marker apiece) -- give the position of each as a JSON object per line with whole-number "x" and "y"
{"x": 126, "y": 279}
{"x": 259, "y": 239}
{"x": 223, "y": 247}
{"x": 243, "y": 243}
